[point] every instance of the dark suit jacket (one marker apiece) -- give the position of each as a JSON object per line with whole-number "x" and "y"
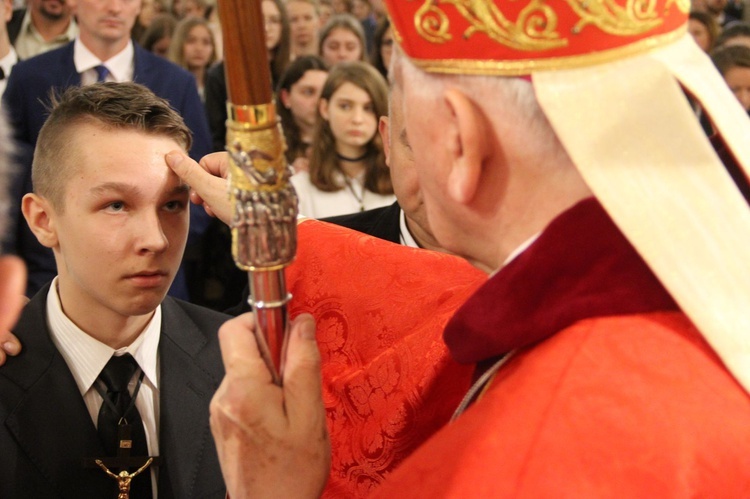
{"x": 14, "y": 25}
{"x": 383, "y": 223}
{"x": 216, "y": 105}
{"x": 26, "y": 98}
{"x": 46, "y": 430}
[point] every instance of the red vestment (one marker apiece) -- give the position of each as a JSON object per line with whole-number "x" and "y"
{"x": 388, "y": 380}
{"x": 612, "y": 391}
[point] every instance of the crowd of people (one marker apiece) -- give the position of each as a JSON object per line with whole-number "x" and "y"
{"x": 577, "y": 329}
{"x": 722, "y": 30}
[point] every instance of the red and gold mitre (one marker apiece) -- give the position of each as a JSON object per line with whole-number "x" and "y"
{"x": 514, "y": 37}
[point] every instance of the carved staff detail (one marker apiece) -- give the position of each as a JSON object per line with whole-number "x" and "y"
{"x": 264, "y": 230}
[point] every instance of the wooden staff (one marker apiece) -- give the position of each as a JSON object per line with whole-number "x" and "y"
{"x": 264, "y": 223}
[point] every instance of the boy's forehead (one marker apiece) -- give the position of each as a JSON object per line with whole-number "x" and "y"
{"x": 117, "y": 158}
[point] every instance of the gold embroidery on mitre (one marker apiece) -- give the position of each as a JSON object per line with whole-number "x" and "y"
{"x": 637, "y": 17}
{"x": 432, "y": 23}
{"x": 683, "y": 5}
{"x": 535, "y": 28}
{"x": 529, "y": 66}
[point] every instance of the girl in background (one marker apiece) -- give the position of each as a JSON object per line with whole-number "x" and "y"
{"x": 278, "y": 42}
{"x": 193, "y": 48}
{"x": 704, "y": 29}
{"x": 383, "y": 47}
{"x": 347, "y": 165}
{"x": 342, "y": 39}
{"x": 297, "y": 105}
{"x": 158, "y": 35}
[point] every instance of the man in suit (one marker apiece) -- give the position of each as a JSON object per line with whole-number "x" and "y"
{"x": 116, "y": 219}
{"x": 103, "y": 51}
{"x": 43, "y": 25}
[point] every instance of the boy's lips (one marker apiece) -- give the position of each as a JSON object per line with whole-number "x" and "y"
{"x": 148, "y": 278}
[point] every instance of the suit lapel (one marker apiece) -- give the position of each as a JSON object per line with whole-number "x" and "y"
{"x": 68, "y": 66}
{"x": 388, "y": 224}
{"x": 186, "y": 388}
{"x": 141, "y": 65}
{"x": 51, "y": 423}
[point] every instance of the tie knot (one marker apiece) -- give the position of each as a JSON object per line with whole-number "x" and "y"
{"x": 118, "y": 372}
{"x": 2, "y": 73}
{"x": 101, "y": 73}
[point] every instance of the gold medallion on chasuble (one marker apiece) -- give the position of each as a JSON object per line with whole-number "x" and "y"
{"x": 518, "y": 37}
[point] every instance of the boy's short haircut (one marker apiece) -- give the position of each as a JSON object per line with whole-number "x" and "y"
{"x": 111, "y": 106}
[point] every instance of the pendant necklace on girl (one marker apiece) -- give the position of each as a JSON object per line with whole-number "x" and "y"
{"x": 359, "y": 197}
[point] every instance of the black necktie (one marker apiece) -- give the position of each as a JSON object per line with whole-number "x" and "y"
{"x": 2, "y": 73}
{"x": 116, "y": 375}
{"x": 101, "y": 73}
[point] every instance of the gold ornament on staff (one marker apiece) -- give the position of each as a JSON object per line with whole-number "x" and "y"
{"x": 264, "y": 220}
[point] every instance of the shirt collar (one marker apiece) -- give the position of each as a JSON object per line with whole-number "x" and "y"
{"x": 9, "y": 61}
{"x": 406, "y": 238}
{"x": 120, "y": 66}
{"x": 86, "y": 356}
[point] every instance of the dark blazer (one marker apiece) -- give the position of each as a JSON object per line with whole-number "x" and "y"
{"x": 14, "y": 25}
{"x": 215, "y": 95}
{"x": 26, "y": 98}
{"x": 46, "y": 430}
{"x": 383, "y": 223}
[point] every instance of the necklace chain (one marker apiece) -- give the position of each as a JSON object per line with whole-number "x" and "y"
{"x": 360, "y": 199}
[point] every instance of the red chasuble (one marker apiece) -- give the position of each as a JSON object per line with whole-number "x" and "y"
{"x": 388, "y": 380}
{"x": 612, "y": 392}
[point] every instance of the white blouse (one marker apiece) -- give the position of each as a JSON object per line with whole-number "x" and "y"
{"x": 314, "y": 203}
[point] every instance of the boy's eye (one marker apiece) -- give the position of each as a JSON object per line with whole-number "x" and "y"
{"x": 174, "y": 205}
{"x": 116, "y": 206}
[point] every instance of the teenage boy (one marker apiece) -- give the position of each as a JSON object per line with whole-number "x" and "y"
{"x": 116, "y": 218}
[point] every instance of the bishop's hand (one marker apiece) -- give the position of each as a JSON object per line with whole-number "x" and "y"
{"x": 272, "y": 441}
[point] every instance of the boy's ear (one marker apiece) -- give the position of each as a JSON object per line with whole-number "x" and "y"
{"x": 467, "y": 145}
{"x": 40, "y": 216}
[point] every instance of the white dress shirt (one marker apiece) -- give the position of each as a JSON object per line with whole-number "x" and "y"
{"x": 86, "y": 357}
{"x": 7, "y": 63}
{"x": 121, "y": 66}
{"x": 314, "y": 203}
{"x": 406, "y": 238}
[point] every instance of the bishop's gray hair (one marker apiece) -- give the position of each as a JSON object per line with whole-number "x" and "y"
{"x": 502, "y": 97}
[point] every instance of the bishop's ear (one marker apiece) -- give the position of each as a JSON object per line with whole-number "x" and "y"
{"x": 467, "y": 132}
{"x": 39, "y": 214}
